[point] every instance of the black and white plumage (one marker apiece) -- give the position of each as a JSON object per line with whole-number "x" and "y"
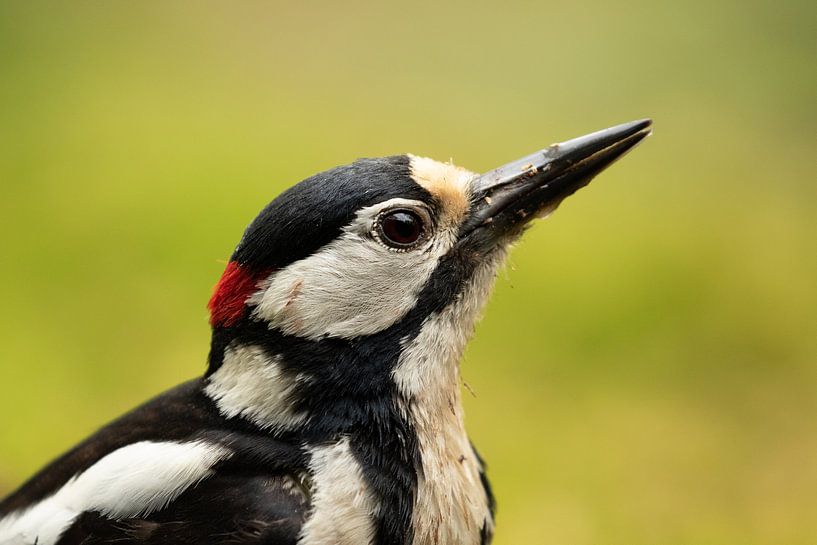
{"x": 330, "y": 411}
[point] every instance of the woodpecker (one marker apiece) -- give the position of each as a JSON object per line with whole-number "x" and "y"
{"x": 330, "y": 410}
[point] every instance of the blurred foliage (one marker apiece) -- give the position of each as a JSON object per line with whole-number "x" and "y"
{"x": 646, "y": 370}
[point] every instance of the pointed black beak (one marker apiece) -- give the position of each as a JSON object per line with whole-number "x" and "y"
{"x": 507, "y": 198}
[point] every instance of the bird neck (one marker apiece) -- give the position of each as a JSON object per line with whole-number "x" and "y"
{"x": 310, "y": 388}
{"x": 330, "y": 385}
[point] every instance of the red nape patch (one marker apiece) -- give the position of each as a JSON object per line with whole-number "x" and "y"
{"x": 235, "y": 286}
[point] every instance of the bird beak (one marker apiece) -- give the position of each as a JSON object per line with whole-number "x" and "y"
{"x": 507, "y": 198}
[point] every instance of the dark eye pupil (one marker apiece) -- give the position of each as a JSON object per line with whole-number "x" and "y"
{"x": 401, "y": 228}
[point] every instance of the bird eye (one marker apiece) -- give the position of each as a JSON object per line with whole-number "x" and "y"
{"x": 400, "y": 229}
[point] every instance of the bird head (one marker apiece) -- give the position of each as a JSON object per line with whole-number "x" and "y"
{"x": 365, "y": 281}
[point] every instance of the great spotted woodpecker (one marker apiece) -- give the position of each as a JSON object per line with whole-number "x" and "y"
{"x": 330, "y": 410}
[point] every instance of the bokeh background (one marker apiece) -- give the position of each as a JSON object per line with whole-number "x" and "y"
{"x": 647, "y": 370}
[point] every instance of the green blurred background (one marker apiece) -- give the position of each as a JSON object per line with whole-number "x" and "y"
{"x": 647, "y": 370}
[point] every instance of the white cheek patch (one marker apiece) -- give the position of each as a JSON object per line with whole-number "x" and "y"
{"x": 134, "y": 480}
{"x": 251, "y": 384}
{"x": 352, "y": 287}
{"x": 342, "y": 504}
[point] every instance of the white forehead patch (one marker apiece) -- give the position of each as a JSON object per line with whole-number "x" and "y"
{"x": 449, "y": 184}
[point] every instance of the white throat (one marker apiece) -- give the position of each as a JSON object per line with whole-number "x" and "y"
{"x": 451, "y": 504}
